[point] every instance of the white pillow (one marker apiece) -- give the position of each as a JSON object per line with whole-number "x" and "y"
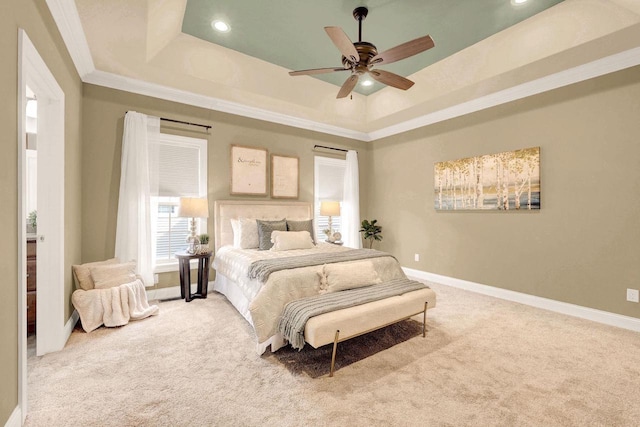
{"x": 83, "y": 273}
{"x": 245, "y": 233}
{"x": 287, "y": 240}
{"x": 108, "y": 276}
{"x": 342, "y": 276}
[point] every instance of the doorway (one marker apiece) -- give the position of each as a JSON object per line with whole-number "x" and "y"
{"x": 50, "y": 323}
{"x": 30, "y": 194}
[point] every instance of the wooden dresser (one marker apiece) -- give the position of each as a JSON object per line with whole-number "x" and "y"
{"x": 31, "y": 285}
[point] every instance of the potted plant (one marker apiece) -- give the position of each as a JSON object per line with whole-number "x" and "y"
{"x": 204, "y": 243}
{"x": 370, "y": 231}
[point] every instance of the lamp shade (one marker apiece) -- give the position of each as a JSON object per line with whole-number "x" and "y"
{"x": 330, "y": 208}
{"x": 193, "y": 208}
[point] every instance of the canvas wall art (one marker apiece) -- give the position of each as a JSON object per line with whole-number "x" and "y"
{"x": 248, "y": 170}
{"x": 284, "y": 177}
{"x": 504, "y": 181}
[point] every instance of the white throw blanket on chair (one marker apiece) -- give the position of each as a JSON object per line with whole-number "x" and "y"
{"x": 112, "y": 306}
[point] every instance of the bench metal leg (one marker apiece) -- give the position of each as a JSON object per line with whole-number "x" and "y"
{"x": 337, "y": 337}
{"x": 424, "y": 320}
{"x": 333, "y": 356}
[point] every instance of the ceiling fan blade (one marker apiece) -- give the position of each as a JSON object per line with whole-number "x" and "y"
{"x": 316, "y": 71}
{"x": 391, "y": 79}
{"x": 403, "y": 51}
{"x": 343, "y": 43}
{"x": 348, "y": 86}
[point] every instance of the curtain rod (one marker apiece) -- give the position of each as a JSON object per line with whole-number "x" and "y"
{"x": 330, "y": 148}
{"x": 184, "y": 123}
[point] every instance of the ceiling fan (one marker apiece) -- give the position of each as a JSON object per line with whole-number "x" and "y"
{"x": 360, "y": 57}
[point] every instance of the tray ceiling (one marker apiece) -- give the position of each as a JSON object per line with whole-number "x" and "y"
{"x": 291, "y": 33}
{"x": 141, "y": 46}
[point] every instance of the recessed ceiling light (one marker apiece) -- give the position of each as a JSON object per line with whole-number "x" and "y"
{"x": 221, "y": 26}
{"x": 518, "y": 2}
{"x": 367, "y": 83}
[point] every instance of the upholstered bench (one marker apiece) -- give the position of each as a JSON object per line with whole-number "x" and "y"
{"x": 344, "y": 324}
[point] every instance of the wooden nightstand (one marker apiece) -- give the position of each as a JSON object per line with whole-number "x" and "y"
{"x": 185, "y": 275}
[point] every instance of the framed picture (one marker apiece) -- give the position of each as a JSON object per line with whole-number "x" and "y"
{"x": 508, "y": 181}
{"x": 248, "y": 170}
{"x": 284, "y": 177}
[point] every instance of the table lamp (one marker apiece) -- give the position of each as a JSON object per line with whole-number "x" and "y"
{"x": 330, "y": 209}
{"x": 193, "y": 208}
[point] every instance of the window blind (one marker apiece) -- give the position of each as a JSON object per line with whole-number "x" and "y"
{"x": 178, "y": 169}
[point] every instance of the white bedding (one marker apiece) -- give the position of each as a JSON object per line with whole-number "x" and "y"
{"x": 262, "y": 303}
{"x": 234, "y": 263}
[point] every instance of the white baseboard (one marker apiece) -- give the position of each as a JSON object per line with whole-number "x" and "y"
{"x": 172, "y": 292}
{"x": 15, "y": 420}
{"x": 600, "y": 316}
{"x": 71, "y": 323}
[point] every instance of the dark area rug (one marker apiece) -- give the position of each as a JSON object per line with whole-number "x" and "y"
{"x": 317, "y": 362}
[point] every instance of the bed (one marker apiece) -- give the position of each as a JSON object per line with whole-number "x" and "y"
{"x": 261, "y": 300}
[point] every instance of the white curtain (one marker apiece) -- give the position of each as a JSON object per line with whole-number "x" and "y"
{"x": 133, "y": 229}
{"x": 351, "y": 203}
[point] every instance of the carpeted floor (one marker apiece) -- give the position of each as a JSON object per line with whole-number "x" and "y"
{"x": 484, "y": 362}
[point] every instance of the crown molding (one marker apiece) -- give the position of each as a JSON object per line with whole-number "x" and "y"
{"x": 66, "y": 17}
{"x": 65, "y": 14}
{"x": 141, "y": 87}
{"x": 609, "y": 64}
{"x": 68, "y": 21}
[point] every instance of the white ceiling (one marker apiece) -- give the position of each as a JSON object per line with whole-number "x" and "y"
{"x": 138, "y": 46}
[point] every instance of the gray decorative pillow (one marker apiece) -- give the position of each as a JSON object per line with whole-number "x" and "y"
{"x": 305, "y": 225}
{"x": 264, "y": 232}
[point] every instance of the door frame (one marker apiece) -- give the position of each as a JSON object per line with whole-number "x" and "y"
{"x": 50, "y": 305}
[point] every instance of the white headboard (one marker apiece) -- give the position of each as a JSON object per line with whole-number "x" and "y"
{"x": 225, "y": 210}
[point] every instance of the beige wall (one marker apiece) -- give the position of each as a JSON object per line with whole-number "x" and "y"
{"x": 34, "y": 17}
{"x": 103, "y": 118}
{"x": 582, "y": 247}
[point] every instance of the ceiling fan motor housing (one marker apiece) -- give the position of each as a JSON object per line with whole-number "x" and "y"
{"x": 366, "y": 51}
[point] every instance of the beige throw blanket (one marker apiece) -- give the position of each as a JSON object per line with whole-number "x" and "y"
{"x": 112, "y": 306}
{"x": 296, "y": 313}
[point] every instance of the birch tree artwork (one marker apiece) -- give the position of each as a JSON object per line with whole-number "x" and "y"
{"x": 504, "y": 181}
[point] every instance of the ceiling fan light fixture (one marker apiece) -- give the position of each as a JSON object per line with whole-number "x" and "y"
{"x": 367, "y": 83}
{"x": 518, "y": 2}
{"x": 221, "y": 26}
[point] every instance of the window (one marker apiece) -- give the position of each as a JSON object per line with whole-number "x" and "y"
{"x": 171, "y": 230}
{"x": 329, "y": 185}
{"x": 178, "y": 167}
